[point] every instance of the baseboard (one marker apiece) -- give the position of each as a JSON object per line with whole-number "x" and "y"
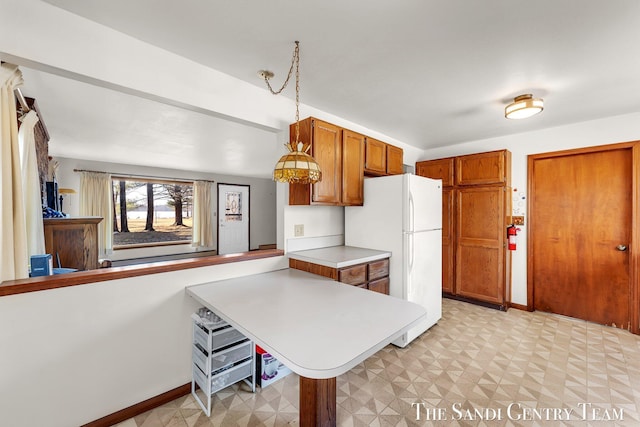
{"x": 500, "y": 307}
{"x": 139, "y": 408}
{"x": 519, "y": 307}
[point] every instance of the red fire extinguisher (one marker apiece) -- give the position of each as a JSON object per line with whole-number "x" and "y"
{"x": 512, "y": 234}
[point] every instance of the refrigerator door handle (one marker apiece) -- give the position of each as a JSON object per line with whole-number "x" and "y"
{"x": 411, "y": 253}
{"x": 412, "y": 219}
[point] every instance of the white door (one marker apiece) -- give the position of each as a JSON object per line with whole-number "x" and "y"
{"x": 425, "y": 203}
{"x": 423, "y": 279}
{"x": 233, "y": 218}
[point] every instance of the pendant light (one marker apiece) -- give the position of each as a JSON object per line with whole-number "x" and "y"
{"x": 523, "y": 106}
{"x": 295, "y": 167}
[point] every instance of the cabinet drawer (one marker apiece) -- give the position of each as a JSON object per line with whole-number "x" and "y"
{"x": 378, "y": 269}
{"x": 222, "y": 358}
{"x": 223, "y": 378}
{"x": 353, "y": 275}
{"x": 380, "y": 285}
{"x": 219, "y": 338}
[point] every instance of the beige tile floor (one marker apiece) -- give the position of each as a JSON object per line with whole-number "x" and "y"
{"x": 477, "y": 367}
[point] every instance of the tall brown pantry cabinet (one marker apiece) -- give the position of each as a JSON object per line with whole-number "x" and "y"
{"x": 476, "y": 209}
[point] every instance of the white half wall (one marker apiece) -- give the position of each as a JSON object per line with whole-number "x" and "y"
{"x": 73, "y": 355}
{"x": 597, "y": 132}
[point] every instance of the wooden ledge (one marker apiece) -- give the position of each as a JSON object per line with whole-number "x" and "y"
{"x": 33, "y": 284}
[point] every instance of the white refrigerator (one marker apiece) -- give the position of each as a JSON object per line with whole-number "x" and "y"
{"x": 402, "y": 214}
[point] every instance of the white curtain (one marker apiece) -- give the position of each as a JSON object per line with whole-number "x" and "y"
{"x": 14, "y": 255}
{"x": 95, "y": 200}
{"x": 31, "y": 184}
{"x": 202, "y": 221}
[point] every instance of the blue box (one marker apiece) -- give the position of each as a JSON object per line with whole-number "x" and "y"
{"x": 41, "y": 265}
{"x": 64, "y": 270}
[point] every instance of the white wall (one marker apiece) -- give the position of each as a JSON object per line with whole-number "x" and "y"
{"x": 323, "y": 226}
{"x": 262, "y": 201}
{"x": 597, "y": 132}
{"x": 72, "y": 355}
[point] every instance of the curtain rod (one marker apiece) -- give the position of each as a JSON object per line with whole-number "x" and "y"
{"x": 21, "y": 99}
{"x": 130, "y": 175}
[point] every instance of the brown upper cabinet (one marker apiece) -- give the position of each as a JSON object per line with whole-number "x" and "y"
{"x": 394, "y": 160}
{"x": 340, "y": 154}
{"x": 382, "y": 158}
{"x": 345, "y": 157}
{"x": 437, "y": 169}
{"x": 483, "y": 168}
{"x": 375, "y": 157}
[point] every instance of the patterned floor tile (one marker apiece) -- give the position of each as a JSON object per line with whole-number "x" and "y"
{"x": 476, "y": 367}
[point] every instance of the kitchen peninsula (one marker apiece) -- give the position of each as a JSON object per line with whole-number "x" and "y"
{"x": 317, "y": 327}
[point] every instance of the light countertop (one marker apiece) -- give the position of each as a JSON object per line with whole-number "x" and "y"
{"x": 339, "y": 256}
{"x": 317, "y": 327}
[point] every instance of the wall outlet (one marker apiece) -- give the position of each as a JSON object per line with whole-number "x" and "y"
{"x": 298, "y": 230}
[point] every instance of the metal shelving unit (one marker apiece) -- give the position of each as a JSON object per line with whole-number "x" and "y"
{"x": 221, "y": 356}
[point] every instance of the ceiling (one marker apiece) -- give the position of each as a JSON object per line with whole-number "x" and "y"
{"x": 429, "y": 73}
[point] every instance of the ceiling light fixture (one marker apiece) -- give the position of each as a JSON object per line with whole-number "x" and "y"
{"x": 523, "y": 106}
{"x": 295, "y": 167}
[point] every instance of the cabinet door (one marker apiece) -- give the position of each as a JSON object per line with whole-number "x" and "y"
{"x": 483, "y": 168}
{"x": 437, "y": 169}
{"x": 448, "y": 252}
{"x": 480, "y": 238}
{"x": 327, "y": 150}
{"x": 394, "y": 160}
{"x": 375, "y": 157}
{"x": 352, "y": 168}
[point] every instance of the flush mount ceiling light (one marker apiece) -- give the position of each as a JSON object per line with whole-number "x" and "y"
{"x": 523, "y": 106}
{"x": 295, "y": 167}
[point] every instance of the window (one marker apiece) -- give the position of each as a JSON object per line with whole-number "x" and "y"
{"x": 151, "y": 212}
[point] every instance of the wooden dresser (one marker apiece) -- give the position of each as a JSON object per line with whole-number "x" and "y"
{"x": 74, "y": 240}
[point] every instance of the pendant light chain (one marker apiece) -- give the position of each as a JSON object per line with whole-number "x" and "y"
{"x": 295, "y": 167}
{"x": 295, "y": 62}
{"x": 297, "y": 59}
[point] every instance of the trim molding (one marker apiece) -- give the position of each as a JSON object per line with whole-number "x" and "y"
{"x": 141, "y": 407}
{"x": 42, "y": 283}
{"x": 519, "y": 307}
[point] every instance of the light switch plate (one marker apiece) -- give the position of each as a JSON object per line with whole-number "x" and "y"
{"x": 298, "y": 230}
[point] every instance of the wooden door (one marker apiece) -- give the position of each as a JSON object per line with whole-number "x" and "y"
{"x": 352, "y": 168}
{"x": 327, "y": 150}
{"x": 581, "y": 205}
{"x": 480, "y": 235}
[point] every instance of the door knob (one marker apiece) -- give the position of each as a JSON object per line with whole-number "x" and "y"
{"x": 621, "y": 248}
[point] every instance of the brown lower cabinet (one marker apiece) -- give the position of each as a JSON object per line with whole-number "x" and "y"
{"x": 373, "y": 275}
